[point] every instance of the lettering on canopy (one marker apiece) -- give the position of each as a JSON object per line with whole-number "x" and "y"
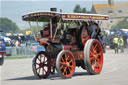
{"x": 89, "y": 17}
{"x": 42, "y": 14}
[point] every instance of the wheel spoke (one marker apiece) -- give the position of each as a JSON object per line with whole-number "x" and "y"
{"x": 61, "y": 66}
{"x": 68, "y": 57}
{"x": 65, "y": 69}
{"x": 70, "y": 61}
{"x": 39, "y": 59}
{"x": 70, "y": 66}
{"x": 63, "y": 63}
{"x": 95, "y": 47}
{"x": 91, "y": 52}
{"x": 62, "y": 59}
{"x": 92, "y": 58}
{"x": 98, "y": 54}
{"x": 37, "y": 63}
{"x": 39, "y": 70}
{"x": 98, "y": 65}
{"x": 43, "y": 71}
{"x": 69, "y": 69}
{"x": 44, "y": 59}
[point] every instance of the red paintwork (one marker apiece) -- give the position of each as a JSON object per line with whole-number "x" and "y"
{"x": 67, "y": 47}
{"x": 2, "y": 53}
{"x": 80, "y": 55}
{"x": 75, "y": 53}
{"x": 84, "y": 38}
{"x": 43, "y": 41}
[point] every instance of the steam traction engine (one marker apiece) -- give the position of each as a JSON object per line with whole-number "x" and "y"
{"x": 69, "y": 40}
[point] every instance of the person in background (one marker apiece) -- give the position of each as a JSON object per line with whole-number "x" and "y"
{"x": 116, "y": 41}
{"x": 17, "y": 43}
{"x": 121, "y": 43}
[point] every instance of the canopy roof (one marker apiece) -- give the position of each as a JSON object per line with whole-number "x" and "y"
{"x": 45, "y": 16}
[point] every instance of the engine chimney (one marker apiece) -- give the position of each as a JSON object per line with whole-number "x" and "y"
{"x": 111, "y": 2}
{"x": 53, "y": 9}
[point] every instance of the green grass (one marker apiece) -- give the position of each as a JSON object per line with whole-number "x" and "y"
{"x": 18, "y": 57}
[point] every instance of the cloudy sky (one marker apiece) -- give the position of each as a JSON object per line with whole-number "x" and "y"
{"x": 60, "y": 0}
{"x": 14, "y": 9}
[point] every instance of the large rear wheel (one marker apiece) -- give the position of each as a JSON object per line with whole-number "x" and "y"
{"x": 65, "y": 64}
{"x": 93, "y": 56}
{"x": 41, "y": 65}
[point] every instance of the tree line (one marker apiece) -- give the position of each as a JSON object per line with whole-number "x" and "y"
{"x": 7, "y": 25}
{"x": 122, "y": 25}
{"x": 78, "y": 9}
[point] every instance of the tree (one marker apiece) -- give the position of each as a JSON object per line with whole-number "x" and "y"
{"x": 84, "y": 10}
{"x": 122, "y": 25}
{"x": 78, "y": 9}
{"x": 6, "y": 25}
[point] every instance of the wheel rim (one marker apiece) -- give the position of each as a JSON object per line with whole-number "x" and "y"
{"x": 67, "y": 64}
{"x": 42, "y": 66}
{"x": 96, "y": 56}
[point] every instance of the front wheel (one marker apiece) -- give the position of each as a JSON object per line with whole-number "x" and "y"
{"x": 65, "y": 64}
{"x": 93, "y": 56}
{"x": 41, "y": 65}
{"x": 1, "y": 59}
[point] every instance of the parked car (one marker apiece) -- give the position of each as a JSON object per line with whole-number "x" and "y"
{"x": 9, "y": 45}
{"x": 36, "y": 47}
{"x": 2, "y": 51}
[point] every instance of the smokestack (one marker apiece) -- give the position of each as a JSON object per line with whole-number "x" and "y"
{"x": 111, "y": 2}
{"x": 53, "y": 9}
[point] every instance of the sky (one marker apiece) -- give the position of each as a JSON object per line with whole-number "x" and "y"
{"x": 14, "y": 9}
{"x": 60, "y": 0}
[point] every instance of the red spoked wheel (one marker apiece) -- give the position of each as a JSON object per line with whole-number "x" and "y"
{"x": 93, "y": 56}
{"x": 65, "y": 64}
{"x": 41, "y": 65}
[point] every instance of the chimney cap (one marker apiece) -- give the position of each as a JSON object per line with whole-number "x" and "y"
{"x": 53, "y": 9}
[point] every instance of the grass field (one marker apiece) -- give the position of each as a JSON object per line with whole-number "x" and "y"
{"x": 18, "y": 57}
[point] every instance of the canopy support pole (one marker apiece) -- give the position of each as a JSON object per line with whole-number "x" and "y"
{"x": 37, "y": 28}
{"x": 57, "y": 29}
{"x": 51, "y": 27}
{"x": 32, "y": 30}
